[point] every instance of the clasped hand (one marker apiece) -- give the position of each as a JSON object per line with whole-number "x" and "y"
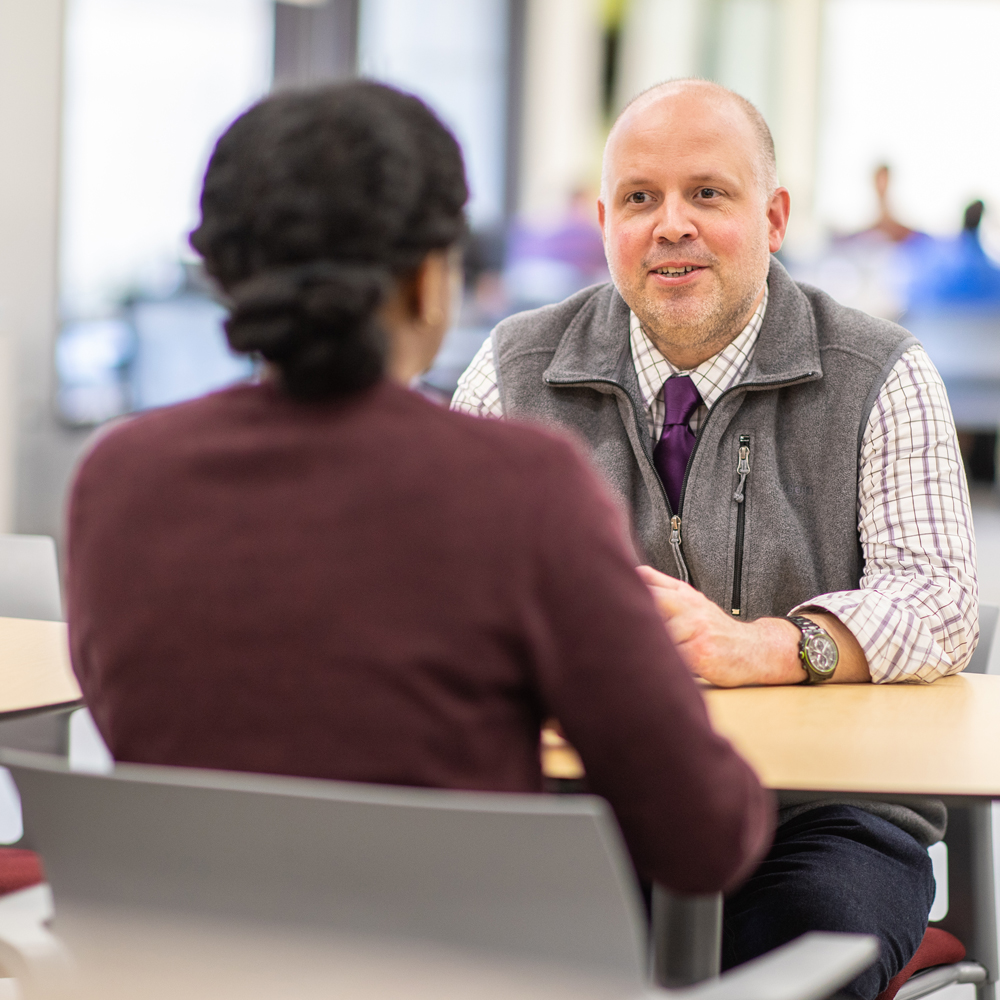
{"x": 720, "y": 648}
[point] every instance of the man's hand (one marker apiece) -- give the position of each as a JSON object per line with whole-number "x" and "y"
{"x": 731, "y": 653}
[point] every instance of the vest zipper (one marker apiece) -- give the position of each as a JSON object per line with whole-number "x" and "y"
{"x": 675, "y": 544}
{"x": 675, "y": 521}
{"x": 742, "y": 470}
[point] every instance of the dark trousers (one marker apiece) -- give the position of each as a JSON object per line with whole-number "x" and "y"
{"x": 835, "y": 868}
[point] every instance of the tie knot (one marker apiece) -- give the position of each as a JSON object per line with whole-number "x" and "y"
{"x": 681, "y": 399}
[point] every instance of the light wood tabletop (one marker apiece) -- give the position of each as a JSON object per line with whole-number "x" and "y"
{"x": 921, "y": 739}
{"x": 35, "y": 672}
{"x": 940, "y": 739}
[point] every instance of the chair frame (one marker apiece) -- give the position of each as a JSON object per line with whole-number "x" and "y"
{"x": 971, "y": 915}
{"x": 311, "y": 853}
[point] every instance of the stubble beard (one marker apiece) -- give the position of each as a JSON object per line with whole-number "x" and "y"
{"x": 705, "y": 324}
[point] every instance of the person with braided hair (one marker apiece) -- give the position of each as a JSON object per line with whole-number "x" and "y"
{"x": 324, "y": 574}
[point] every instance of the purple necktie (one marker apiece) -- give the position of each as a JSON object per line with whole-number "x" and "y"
{"x": 671, "y": 454}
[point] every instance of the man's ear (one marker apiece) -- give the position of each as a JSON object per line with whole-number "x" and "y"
{"x": 600, "y": 214}
{"x": 778, "y": 210}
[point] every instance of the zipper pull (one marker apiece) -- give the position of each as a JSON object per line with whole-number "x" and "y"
{"x": 742, "y": 468}
{"x": 675, "y": 544}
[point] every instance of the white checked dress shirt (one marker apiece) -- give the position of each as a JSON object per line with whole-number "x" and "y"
{"x": 916, "y": 610}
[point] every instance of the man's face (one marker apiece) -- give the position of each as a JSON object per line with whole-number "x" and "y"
{"x": 687, "y": 226}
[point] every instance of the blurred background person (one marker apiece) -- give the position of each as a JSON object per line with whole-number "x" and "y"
{"x": 953, "y": 306}
{"x": 886, "y": 225}
{"x": 549, "y": 261}
{"x": 955, "y": 272}
{"x": 871, "y": 269}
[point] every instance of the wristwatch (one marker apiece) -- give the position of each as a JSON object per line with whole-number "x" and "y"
{"x": 817, "y": 650}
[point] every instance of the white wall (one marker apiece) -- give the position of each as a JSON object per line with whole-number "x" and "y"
{"x": 453, "y": 55}
{"x": 794, "y": 113}
{"x": 661, "y": 39}
{"x": 30, "y": 94}
{"x": 561, "y": 118}
{"x": 915, "y": 83}
{"x": 150, "y": 85}
{"x": 766, "y": 50}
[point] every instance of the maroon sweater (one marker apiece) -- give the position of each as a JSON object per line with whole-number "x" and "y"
{"x": 380, "y": 590}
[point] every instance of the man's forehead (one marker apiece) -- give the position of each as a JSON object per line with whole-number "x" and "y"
{"x": 684, "y": 99}
{"x": 694, "y": 133}
{"x": 696, "y": 173}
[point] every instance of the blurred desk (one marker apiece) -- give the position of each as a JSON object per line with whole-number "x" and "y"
{"x": 965, "y": 348}
{"x": 940, "y": 739}
{"x": 35, "y": 672}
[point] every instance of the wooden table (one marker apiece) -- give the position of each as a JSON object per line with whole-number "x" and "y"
{"x": 35, "y": 673}
{"x": 940, "y": 739}
{"x": 867, "y": 740}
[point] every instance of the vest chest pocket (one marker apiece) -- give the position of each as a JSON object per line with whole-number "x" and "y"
{"x": 740, "y": 496}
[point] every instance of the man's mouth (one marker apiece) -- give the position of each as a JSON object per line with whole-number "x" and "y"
{"x": 683, "y": 269}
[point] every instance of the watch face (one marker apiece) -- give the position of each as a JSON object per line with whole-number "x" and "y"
{"x": 821, "y": 651}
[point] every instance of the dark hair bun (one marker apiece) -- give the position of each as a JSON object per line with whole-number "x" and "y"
{"x": 317, "y": 319}
{"x": 313, "y": 204}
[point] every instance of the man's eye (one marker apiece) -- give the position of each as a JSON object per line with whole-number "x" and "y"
{"x": 638, "y": 197}
{"x": 707, "y": 193}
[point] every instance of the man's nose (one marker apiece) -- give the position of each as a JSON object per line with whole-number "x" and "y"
{"x": 674, "y": 221}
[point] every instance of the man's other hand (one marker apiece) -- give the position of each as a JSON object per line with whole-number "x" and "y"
{"x": 730, "y": 653}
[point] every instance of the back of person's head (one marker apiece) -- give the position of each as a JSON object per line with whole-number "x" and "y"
{"x": 314, "y": 204}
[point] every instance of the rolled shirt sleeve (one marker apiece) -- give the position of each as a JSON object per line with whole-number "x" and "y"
{"x": 916, "y": 612}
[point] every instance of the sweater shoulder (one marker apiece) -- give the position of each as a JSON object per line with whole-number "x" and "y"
{"x": 540, "y": 453}
{"x": 509, "y": 452}
{"x": 152, "y": 432}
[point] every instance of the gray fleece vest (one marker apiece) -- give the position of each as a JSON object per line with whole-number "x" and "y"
{"x": 769, "y": 510}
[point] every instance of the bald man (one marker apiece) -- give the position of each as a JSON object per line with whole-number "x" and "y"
{"x": 792, "y": 474}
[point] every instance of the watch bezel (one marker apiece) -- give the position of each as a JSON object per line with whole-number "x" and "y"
{"x": 811, "y": 631}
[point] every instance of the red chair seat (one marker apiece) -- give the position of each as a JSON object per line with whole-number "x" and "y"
{"x": 19, "y": 869}
{"x": 937, "y": 948}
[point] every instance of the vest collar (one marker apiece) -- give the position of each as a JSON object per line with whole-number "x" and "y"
{"x": 788, "y": 346}
{"x": 595, "y": 346}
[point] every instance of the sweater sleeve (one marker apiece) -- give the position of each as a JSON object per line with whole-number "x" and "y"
{"x": 691, "y": 809}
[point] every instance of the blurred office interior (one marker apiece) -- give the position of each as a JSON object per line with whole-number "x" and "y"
{"x": 110, "y": 108}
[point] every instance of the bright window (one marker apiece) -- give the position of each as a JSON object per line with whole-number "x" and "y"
{"x": 149, "y": 86}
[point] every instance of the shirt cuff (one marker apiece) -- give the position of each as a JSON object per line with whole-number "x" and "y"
{"x": 899, "y": 642}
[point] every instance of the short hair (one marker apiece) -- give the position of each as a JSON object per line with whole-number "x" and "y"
{"x": 768, "y": 175}
{"x": 314, "y": 203}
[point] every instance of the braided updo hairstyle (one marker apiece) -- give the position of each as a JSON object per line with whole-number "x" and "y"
{"x": 314, "y": 204}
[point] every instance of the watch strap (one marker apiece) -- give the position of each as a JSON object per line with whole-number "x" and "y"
{"x": 809, "y": 630}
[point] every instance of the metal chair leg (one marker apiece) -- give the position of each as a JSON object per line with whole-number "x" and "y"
{"x": 686, "y": 938}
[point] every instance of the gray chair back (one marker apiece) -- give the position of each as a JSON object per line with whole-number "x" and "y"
{"x": 523, "y": 876}
{"x": 980, "y": 662}
{"x": 29, "y": 578}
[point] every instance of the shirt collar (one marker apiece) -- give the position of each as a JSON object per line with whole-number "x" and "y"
{"x": 712, "y": 377}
